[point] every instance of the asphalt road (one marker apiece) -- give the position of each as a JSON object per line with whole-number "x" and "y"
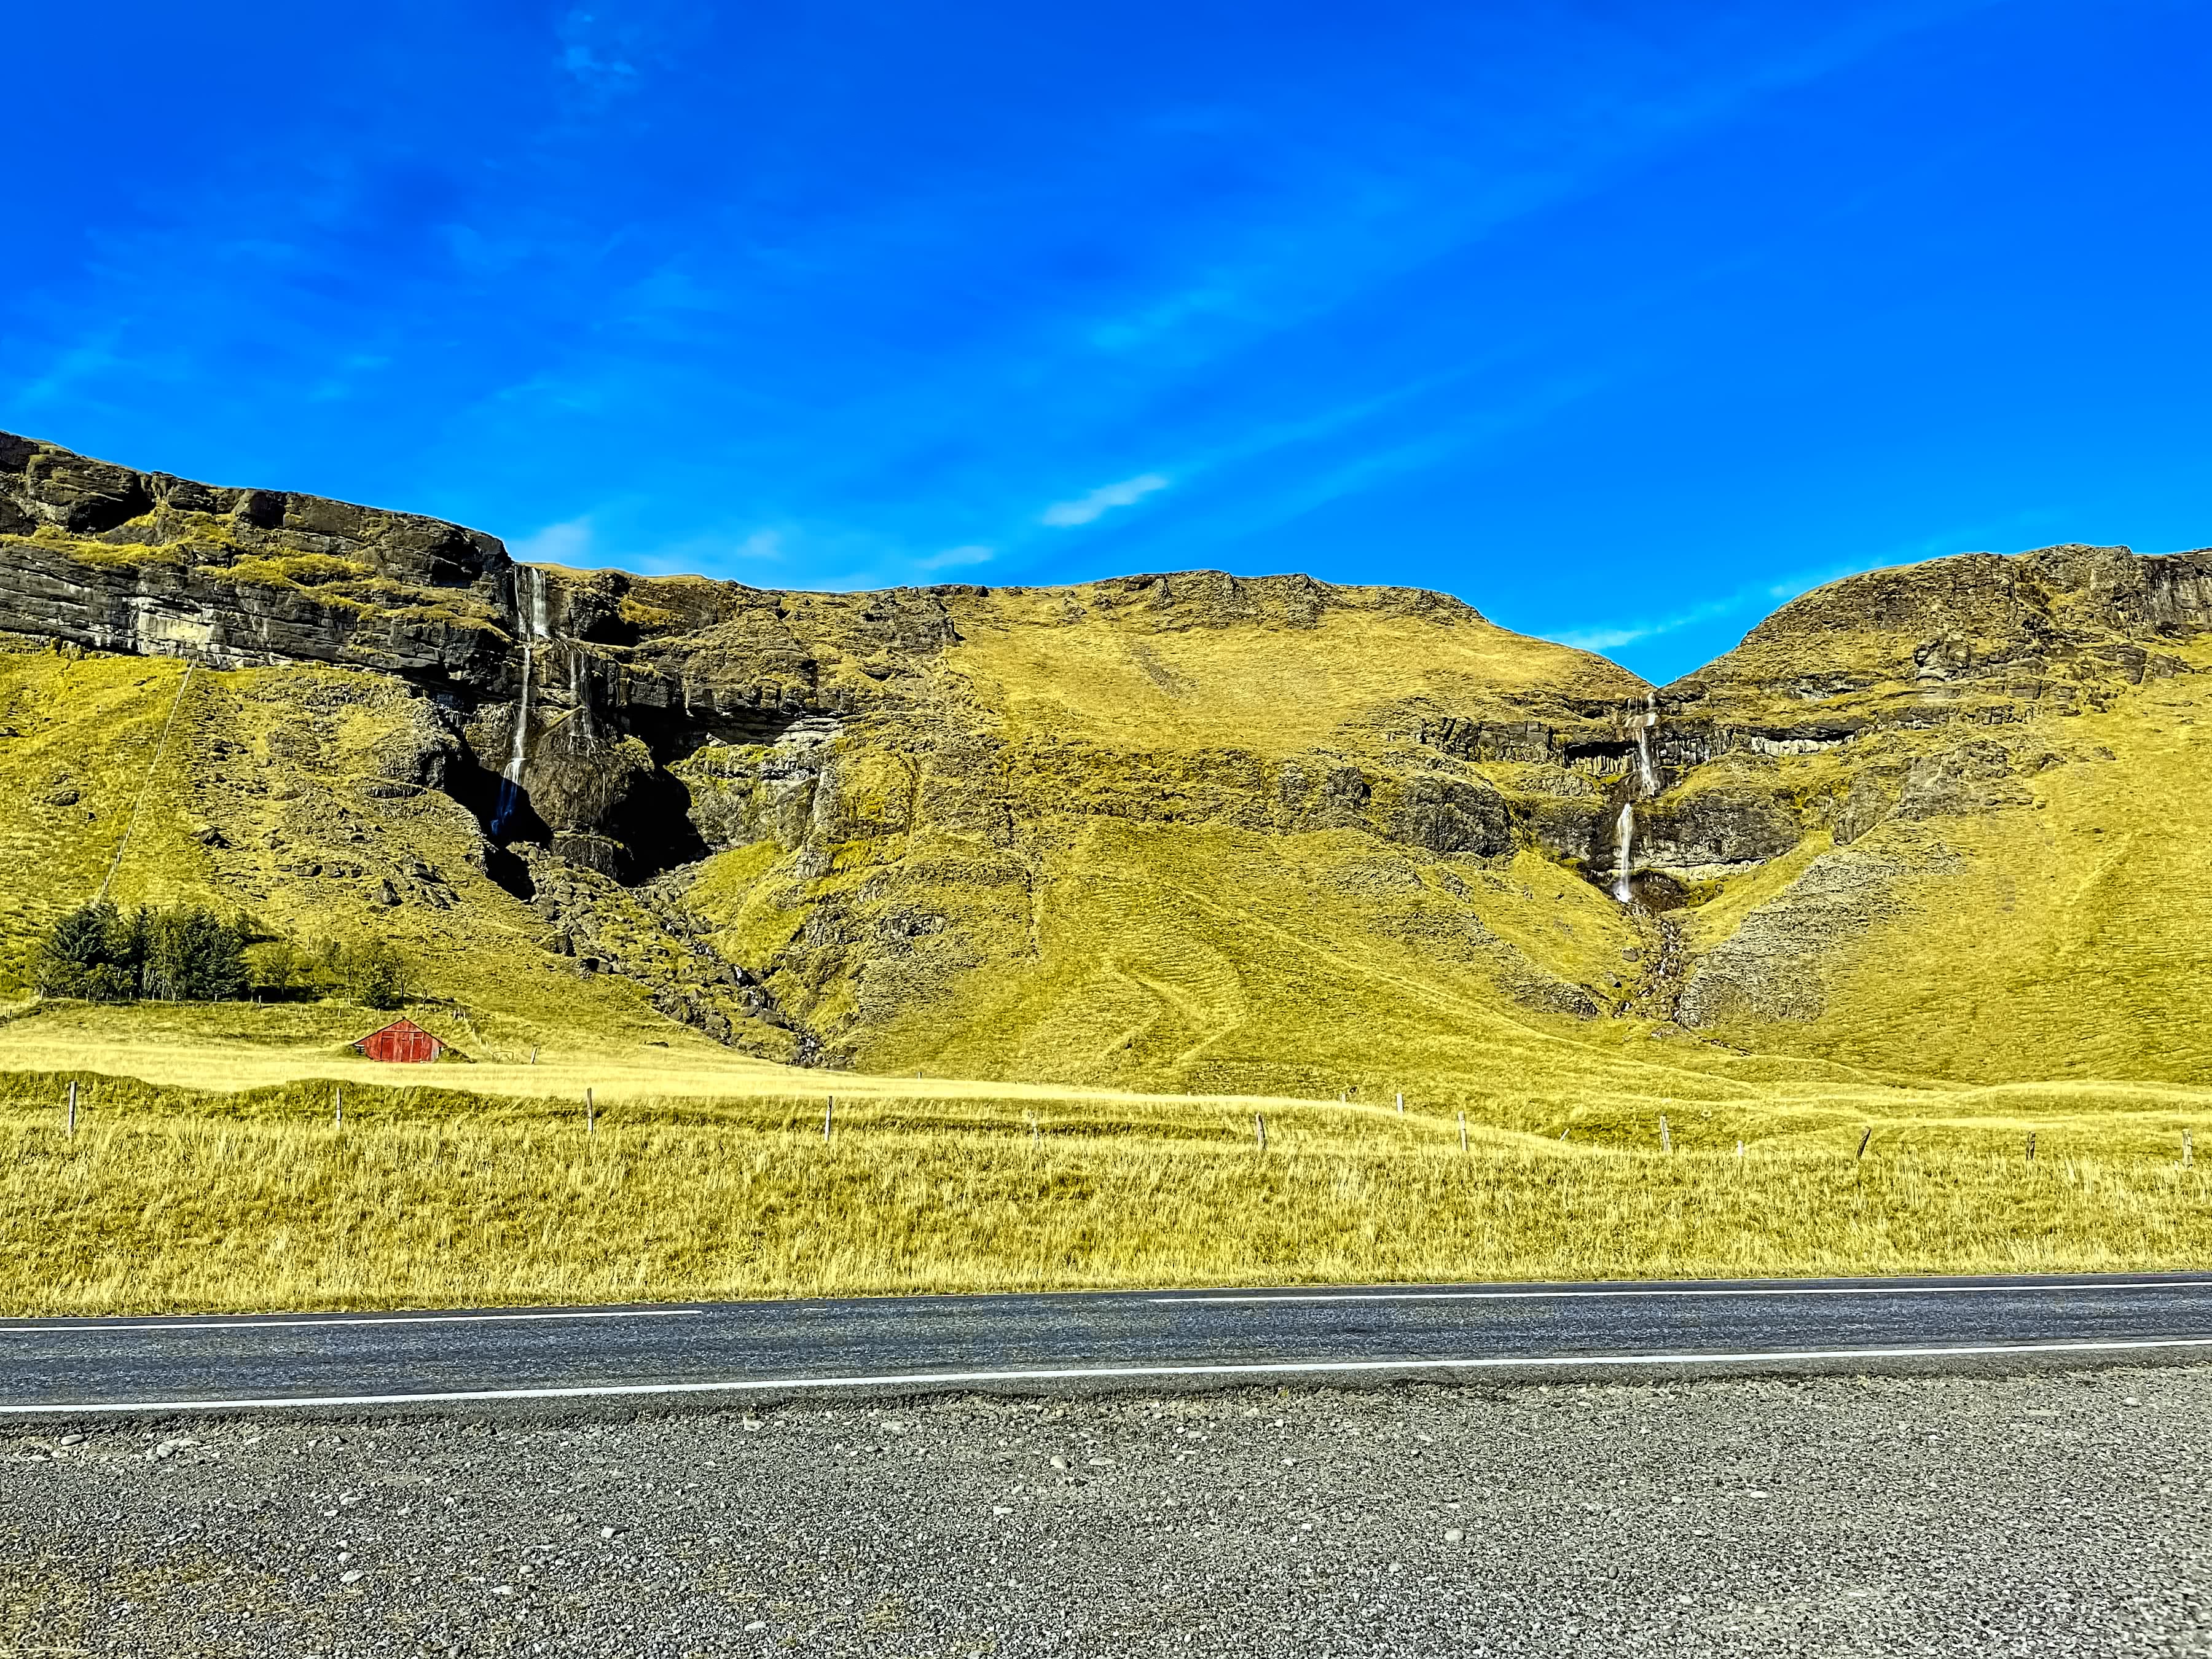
{"x": 751, "y": 1351}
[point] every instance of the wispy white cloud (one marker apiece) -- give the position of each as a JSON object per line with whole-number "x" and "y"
{"x": 581, "y": 57}
{"x": 1103, "y": 500}
{"x": 1612, "y": 637}
{"x": 1141, "y": 327}
{"x": 824, "y": 556}
{"x": 87, "y": 359}
{"x": 569, "y": 542}
{"x": 954, "y": 558}
{"x": 1763, "y": 597}
{"x": 580, "y": 543}
{"x": 580, "y": 62}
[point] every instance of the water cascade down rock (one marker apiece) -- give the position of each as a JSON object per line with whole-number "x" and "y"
{"x": 530, "y": 609}
{"x": 1647, "y": 774}
{"x": 1643, "y": 783}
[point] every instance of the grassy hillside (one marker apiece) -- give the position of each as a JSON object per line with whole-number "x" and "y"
{"x": 1056, "y": 889}
{"x": 1196, "y": 664}
{"x": 295, "y": 795}
{"x": 2028, "y": 910}
{"x": 1146, "y": 934}
{"x": 1190, "y": 858}
{"x": 1170, "y": 845}
{"x": 1184, "y": 831}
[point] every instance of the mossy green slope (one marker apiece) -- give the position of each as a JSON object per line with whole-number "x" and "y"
{"x": 288, "y": 794}
{"x": 2049, "y": 920}
{"x": 2004, "y": 807}
{"x": 1189, "y": 832}
{"x": 1905, "y": 853}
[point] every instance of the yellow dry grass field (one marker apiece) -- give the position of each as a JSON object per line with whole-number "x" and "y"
{"x": 169, "y": 1198}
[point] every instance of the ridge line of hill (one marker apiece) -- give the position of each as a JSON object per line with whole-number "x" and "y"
{"x": 946, "y": 825}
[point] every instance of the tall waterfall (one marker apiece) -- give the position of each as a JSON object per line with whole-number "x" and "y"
{"x": 580, "y": 691}
{"x": 1624, "y": 843}
{"x": 530, "y": 612}
{"x": 1647, "y": 774}
{"x": 520, "y": 751}
{"x": 1644, "y": 787}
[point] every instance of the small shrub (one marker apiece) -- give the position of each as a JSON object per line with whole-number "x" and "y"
{"x": 279, "y": 967}
{"x": 375, "y": 975}
{"x": 188, "y": 954}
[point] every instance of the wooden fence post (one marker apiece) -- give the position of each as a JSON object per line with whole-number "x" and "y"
{"x": 1666, "y": 1140}
{"x": 1260, "y": 1129}
{"x": 72, "y": 1110}
{"x": 1401, "y": 1103}
{"x": 1463, "y": 1131}
{"x": 591, "y": 1113}
{"x": 2031, "y": 1145}
{"x": 1865, "y": 1138}
{"x": 828, "y": 1113}
{"x": 337, "y": 1106}
{"x": 2186, "y": 1149}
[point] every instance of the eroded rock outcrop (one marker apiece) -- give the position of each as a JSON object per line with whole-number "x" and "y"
{"x": 1953, "y": 637}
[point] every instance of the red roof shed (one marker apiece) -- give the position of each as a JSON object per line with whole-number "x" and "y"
{"x": 402, "y": 1039}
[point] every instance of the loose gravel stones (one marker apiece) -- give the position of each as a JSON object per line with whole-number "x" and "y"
{"x": 2053, "y": 1514}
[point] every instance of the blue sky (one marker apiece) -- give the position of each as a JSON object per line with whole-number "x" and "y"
{"x": 1622, "y": 321}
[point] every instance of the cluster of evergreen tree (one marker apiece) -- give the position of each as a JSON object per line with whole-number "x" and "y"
{"x": 187, "y": 953}
{"x": 183, "y": 954}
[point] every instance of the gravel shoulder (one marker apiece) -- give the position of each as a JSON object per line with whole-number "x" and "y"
{"x": 2041, "y": 1514}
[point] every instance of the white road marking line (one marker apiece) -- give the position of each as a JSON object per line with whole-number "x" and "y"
{"x": 1271, "y": 1368}
{"x": 249, "y": 1324}
{"x": 1718, "y": 1290}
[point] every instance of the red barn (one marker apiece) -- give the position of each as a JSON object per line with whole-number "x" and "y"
{"x": 402, "y": 1039}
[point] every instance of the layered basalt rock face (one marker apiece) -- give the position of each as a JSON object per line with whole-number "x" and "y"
{"x": 127, "y": 560}
{"x": 845, "y": 820}
{"x": 636, "y": 684}
{"x": 1895, "y": 673}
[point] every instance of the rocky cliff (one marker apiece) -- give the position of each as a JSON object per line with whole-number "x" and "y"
{"x": 634, "y": 686}
{"x": 1156, "y": 828}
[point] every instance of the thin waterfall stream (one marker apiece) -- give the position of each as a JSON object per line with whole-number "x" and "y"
{"x": 1643, "y": 786}
{"x": 1647, "y": 774}
{"x": 530, "y": 610}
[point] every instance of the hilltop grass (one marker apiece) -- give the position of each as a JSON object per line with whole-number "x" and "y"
{"x": 170, "y": 1199}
